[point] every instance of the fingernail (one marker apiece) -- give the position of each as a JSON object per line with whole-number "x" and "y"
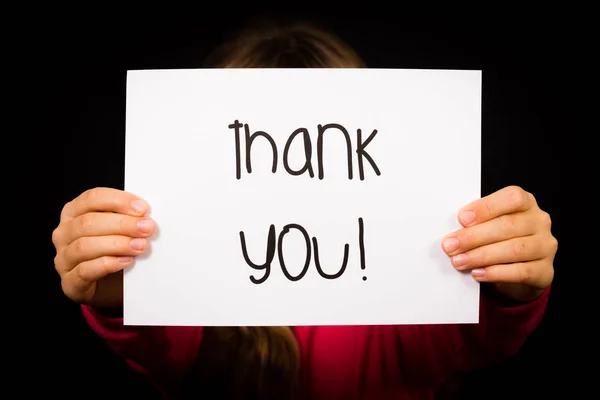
{"x": 460, "y": 259}
{"x": 450, "y": 244}
{"x": 478, "y": 273}
{"x": 145, "y": 225}
{"x": 138, "y": 244}
{"x": 138, "y": 206}
{"x": 467, "y": 217}
{"x": 125, "y": 260}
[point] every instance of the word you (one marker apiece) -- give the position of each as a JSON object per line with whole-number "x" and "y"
{"x": 303, "y": 133}
{"x": 274, "y": 244}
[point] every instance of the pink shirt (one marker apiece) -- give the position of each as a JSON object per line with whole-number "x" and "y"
{"x": 349, "y": 362}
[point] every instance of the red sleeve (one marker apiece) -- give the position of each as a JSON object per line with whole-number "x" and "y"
{"x": 164, "y": 354}
{"x": 499, "y": 335}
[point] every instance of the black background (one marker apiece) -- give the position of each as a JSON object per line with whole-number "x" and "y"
{"x": 525, "y": 60}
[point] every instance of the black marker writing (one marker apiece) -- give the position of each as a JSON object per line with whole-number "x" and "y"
{"x": 308, "y": 150}
{"x": 314, "y": 252}
{"x": 361, "y": 245}
{"x": 269, "y": 258}
{"x": 318, "y": 263}
{"x": 360, "y": 150}
{"x": 250, "y": 138}
{"x": 284, "y": 232}
{"x": 322, "y": 130}
{"x": 238, "y": 168}
{"x": 307, "y": 153}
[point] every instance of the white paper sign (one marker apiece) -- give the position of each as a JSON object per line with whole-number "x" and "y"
{"x": 302, "y": 196}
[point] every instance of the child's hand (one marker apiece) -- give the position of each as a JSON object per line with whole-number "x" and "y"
{"x": 98, "y": 235}
{"x": 506, "y": 240}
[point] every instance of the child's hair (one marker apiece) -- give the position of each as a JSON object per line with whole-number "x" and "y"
{"x": 290, "y": 45}
{"x": 264, "y": 362}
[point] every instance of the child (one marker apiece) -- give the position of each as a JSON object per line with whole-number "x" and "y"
{"x": 505, "y": 242}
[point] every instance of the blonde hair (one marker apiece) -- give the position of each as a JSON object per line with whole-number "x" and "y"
{"x": 264, "y": 362}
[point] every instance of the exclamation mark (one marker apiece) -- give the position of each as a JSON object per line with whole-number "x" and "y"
{"x": 361, "y": 244}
